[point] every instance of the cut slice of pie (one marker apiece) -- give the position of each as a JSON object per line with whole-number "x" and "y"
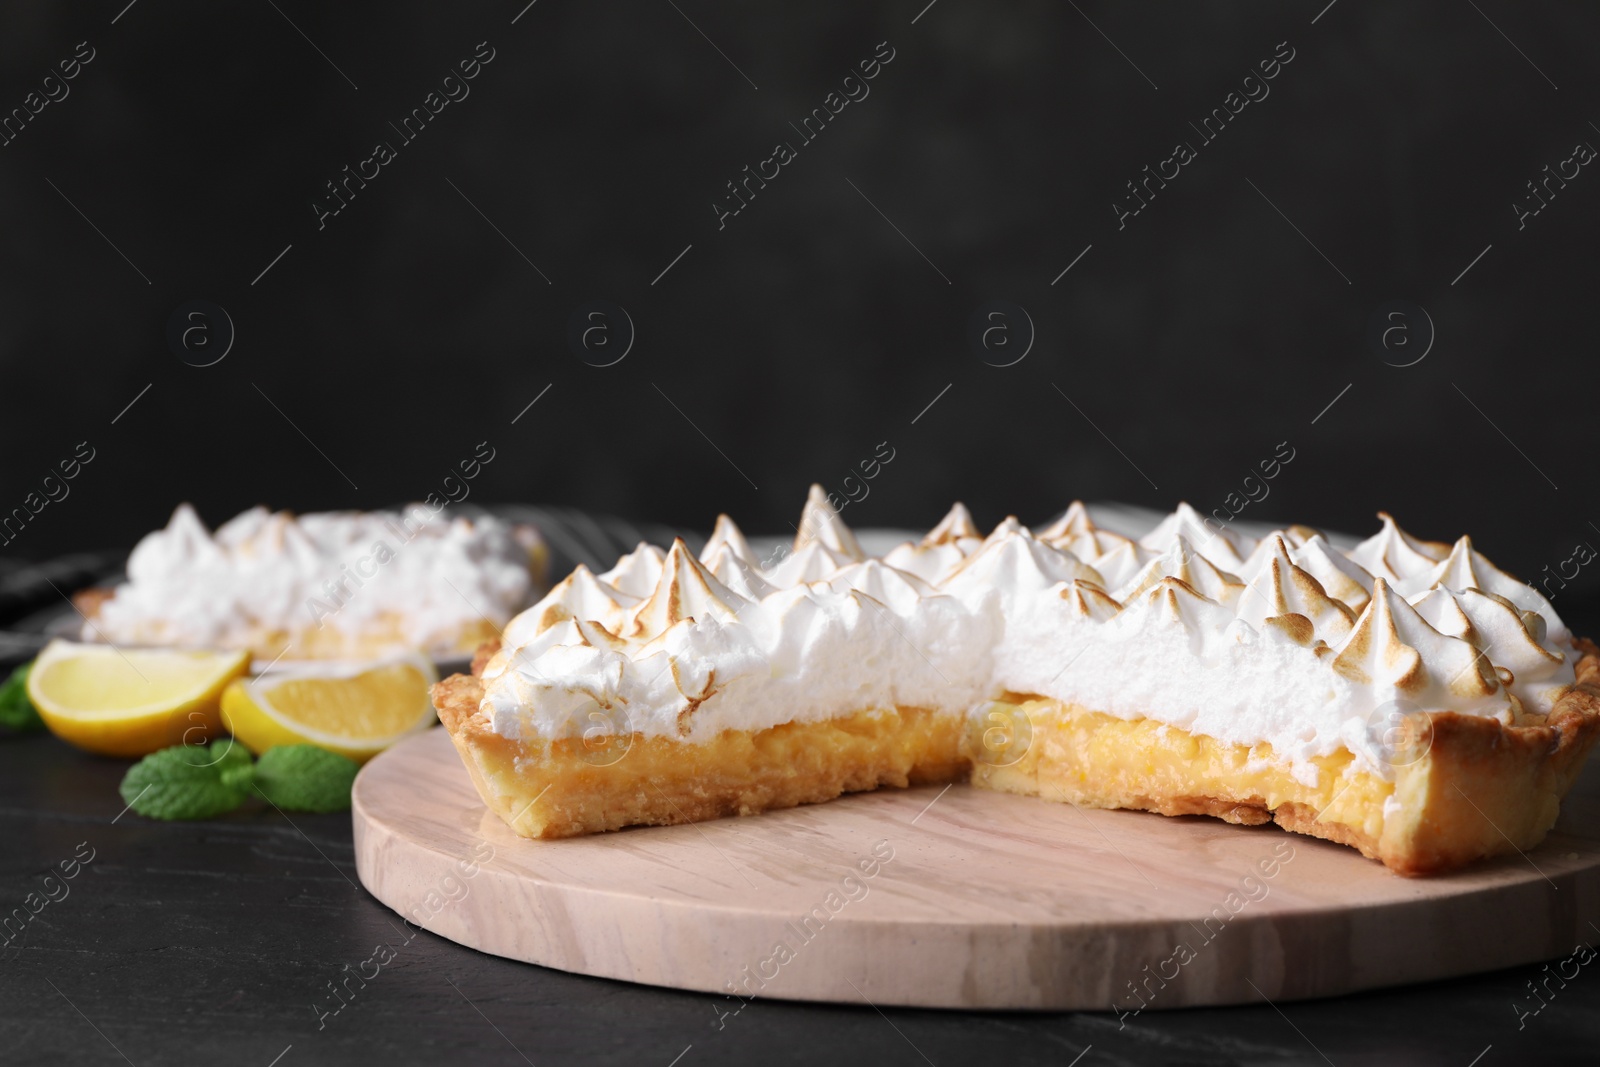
{"x": 1403, "y": 697}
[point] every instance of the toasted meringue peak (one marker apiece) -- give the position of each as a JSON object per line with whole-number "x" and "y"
{"x": 932, "y": 563}
{"x": 815, "y": 562}
{"x": 900, "y": 591}
{"x": 1466, "y": 568}
{"x": 1088, "y": 601}
{"x": 1444, "y": 613}
{"x": 580, "y": 595}
{"x": 955, "y": 527}
{"x": 1121, "y": 563}
{"x": 737, "y": 573}
{"x": 1075, "y": 532}
{"x": 820, "y": 522}
{"x": 637, "y": 573}
{"x": 1215, "y": 542}
{"x": 1278, "y": 588}
{"x": 1394, "y": 647}
{"x": 1295, "y": 627}
{"x": 1342, "y": 578}
{"x": 727, "y": 533}
{"x": 1074, "y": 522}
{"x": 1393, "y": 554}
{"x": 1495, "y": 626}
{"x": 1298, "y": 534}
{"x": 1015, "y": 560}
{"x": 1007, "y": 527}
{"x": 686, "y": 590}
{"x": 1175, "y": 602}
{"x": 595, "y": 634}
{"x": 1180, "y": 560}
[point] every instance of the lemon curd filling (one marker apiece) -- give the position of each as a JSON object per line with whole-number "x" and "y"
{"x": 583, "y": 785}
{"x": 1063, "y": 752}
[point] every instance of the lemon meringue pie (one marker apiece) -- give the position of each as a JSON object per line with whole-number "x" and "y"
{"x": 335, "y": 585}
{"x": 1403, "y": 697}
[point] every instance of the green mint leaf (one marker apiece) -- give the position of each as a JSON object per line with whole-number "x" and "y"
{"x": 231, "y": 758}
{"x": 188, "y": 781}
{"x": 305, "y": 778}
{"x": 17, "y": 712}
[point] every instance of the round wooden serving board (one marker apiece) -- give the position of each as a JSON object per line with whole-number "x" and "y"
{"x": 959, "y": 898}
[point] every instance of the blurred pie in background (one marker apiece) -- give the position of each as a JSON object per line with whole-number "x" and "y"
{"x": 335, "y": 585}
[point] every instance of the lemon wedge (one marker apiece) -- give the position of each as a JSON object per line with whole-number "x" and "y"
{"x": 132, "y": 701}
{"x": 355, "y": 710}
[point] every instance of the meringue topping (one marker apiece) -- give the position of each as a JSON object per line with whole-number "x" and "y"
{"x": 1279, "y": 588}
{"x": 1394, "y": 554}
{"x": 685, "y": 591}
{"x": 1180, "y": 560}
{"x": 955, "y": 527}
{"x": 1395, "y": 650}
{"x": 637, "y": 573}
{"x": 1221, "y": 545}
{"x": 425, "y": 572}
{"x": 1288, "y": 642}
{"x": 821, "y": 523}
{"x": 727, "y": 535}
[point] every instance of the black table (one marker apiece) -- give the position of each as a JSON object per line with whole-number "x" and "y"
{"x": 221, "y": 941}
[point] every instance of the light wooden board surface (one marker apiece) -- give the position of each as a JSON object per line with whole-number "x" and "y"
{"x": 985, "y": 900}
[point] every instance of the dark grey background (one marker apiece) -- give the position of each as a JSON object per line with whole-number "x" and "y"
{"x": 808, "y": 330}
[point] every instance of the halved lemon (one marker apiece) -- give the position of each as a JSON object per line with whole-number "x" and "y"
{"x": 355, "y": 710}
{"x": 131, "y": 701}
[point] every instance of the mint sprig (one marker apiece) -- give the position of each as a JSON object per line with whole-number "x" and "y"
{"x": 305, "y": 778}
{"x": 193, "y": 782}
{"x": 17, "y": 713}
{"x": 188, "y": 782}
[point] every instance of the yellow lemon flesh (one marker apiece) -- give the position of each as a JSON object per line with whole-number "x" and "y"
{"x": 355, "y": 711}
{"x": 131, "y": 701}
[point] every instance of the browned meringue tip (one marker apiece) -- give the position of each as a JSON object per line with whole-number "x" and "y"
{"x": 1074, "y": 522}
{"x": 1182, "y": 562}
{"x": 1394, "y": 644}
{"x": 685, "y": 590}
{"x": 957, "y": 525}
{"x": 1088, "y": 600}
{"x": 820, "y": 522}
{"x": 727, "y": 532}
